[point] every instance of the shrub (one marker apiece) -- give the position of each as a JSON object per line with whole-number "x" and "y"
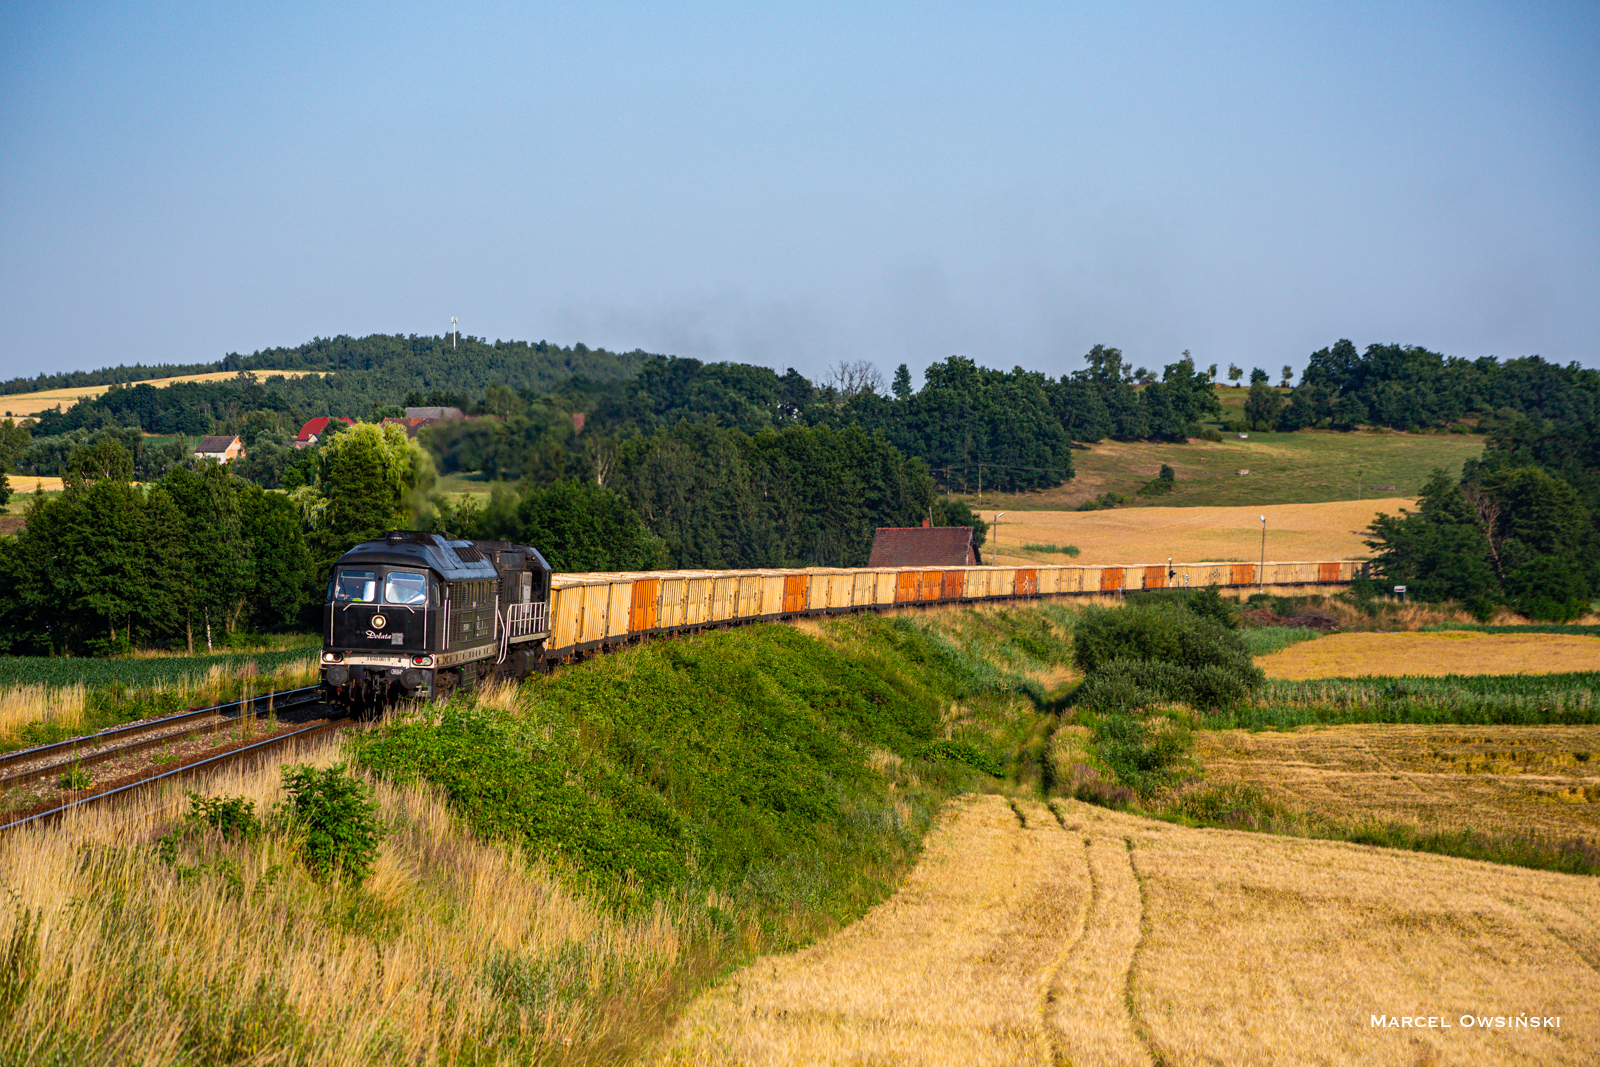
{"x": 964, "y": 752}
{"x": 234, "y": 817}
{"x": 1157, "y": 632}
{"x": 1144, "y": 753}
{"x": 1085, "y": 783}
{"x": 336, "y": 819}
{"x": 1133, "y": 685}
{"x": 1547, "y": 589}
{"x": 1208, "y": 604}
{"x": 1141, "y": 655}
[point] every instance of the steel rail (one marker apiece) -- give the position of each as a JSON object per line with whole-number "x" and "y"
{"x": 258, "y": 749}
{"x": 96, "y": 739}
{"x": 107, "y": 753}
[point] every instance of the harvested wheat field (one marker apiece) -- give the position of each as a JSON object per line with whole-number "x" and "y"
{"x": 1102, "y": 938}
{"x": 1541, "y": 780}
{"x": 1148, "y": 535}
{"x": 1433, "y": 654}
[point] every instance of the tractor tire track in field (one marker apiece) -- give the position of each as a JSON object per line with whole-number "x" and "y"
{"x": 1012, "y": 942}
{"x": 1052, "y": 993}
{"x": 1092, "y": 1021}
{"x": 1097, "y": 938}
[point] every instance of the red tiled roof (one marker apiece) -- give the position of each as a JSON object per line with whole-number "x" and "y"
{"x": 410, "y": 425}
{"x": 923, "y": 546}
{"x": 318, "y": 426}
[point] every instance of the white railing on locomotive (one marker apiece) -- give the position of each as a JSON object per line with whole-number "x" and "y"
{"x": 525, "y": 619}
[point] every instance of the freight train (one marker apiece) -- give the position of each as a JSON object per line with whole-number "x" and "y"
{"x": 416, "y": 615}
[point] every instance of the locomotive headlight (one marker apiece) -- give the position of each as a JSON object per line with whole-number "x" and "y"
{"x": 333, "y": 657}
{"x": 422, "y": 661}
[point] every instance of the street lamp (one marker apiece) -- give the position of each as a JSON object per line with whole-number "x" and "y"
{"x": 997, "y": 517}
{"x": 1261, "y": 572}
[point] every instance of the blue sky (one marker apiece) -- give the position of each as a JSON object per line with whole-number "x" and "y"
{"x": 793, "y": 185}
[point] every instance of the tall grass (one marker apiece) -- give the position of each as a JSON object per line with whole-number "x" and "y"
{"x": 143, "y": 672}
{"x": 456, "y": 950}
{"x": 1064, "y": 550}
{"x": 1265, "y": 640}
{"x": 1530, "y": 628}
{"x": 33, "y": 713}
{"x": 1509, "y": 700}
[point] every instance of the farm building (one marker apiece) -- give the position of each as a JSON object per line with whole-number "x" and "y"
{"x": 316, "y": 429}
{"x": 924, "y": 546}
{"x": 221, "y": 449}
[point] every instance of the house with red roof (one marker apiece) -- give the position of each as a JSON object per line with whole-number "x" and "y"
{"x": 316, "y": 429}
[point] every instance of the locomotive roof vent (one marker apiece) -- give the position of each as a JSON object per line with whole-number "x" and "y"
{"x": 395, "y": 537}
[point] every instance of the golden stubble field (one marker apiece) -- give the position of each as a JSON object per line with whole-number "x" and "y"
{"x": 1433, "y": 654}
{"x": 1151, "y": 535}
{"x": 1541, "y": 780}
{"x": 1088, "y": 936}
{"x": 21, "y": 404}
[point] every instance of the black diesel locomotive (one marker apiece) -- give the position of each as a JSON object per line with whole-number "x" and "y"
{"x": 414, "y": 615}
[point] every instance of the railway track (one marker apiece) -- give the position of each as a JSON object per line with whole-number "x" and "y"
{"x": 18, "y": 770}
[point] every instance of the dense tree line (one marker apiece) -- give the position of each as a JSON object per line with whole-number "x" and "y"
{"x": 718, "y": 497}
{"x": 1409, "y": 388}
{"x": 199, "y": 553}
{"x": 1520, "y": 527}
{"x": 107, "y": 565}
{"x": 1011, "y": 429}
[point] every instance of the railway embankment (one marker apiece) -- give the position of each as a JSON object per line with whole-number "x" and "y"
{"x": 564, "y": 863}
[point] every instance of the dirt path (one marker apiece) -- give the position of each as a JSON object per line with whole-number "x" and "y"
{"x": 1088, "y": 937}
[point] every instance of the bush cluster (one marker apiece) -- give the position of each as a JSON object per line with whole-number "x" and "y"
{"x": 330, "y": 815}
{"x": 1143, "y": 655}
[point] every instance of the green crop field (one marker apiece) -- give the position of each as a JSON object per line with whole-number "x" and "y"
{"x": 134, "y": 673}
{"x": 1310, "y": 467}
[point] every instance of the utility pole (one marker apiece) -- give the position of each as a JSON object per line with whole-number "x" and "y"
{"x": 1261, "y": 574}
{"x": 1359, "y": 473}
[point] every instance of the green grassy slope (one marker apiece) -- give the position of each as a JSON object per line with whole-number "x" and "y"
{"x": 1285, "y": 468}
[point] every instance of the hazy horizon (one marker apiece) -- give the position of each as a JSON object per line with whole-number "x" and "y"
{"x": 790, "y": 186}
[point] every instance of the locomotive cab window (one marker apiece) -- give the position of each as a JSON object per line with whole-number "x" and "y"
{"x": 356, "y": 587}
{"x": 405, "y": 588}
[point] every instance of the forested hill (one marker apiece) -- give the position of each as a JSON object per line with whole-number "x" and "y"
{"x": 360, "y": 374}
{"x": 423, "y": 362}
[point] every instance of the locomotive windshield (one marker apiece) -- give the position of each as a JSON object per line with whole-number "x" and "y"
{"x": 357, "y": 587}
{"x": 405, "y": 587}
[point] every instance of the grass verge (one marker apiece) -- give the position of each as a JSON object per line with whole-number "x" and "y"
{"x": 41, "y": 702}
